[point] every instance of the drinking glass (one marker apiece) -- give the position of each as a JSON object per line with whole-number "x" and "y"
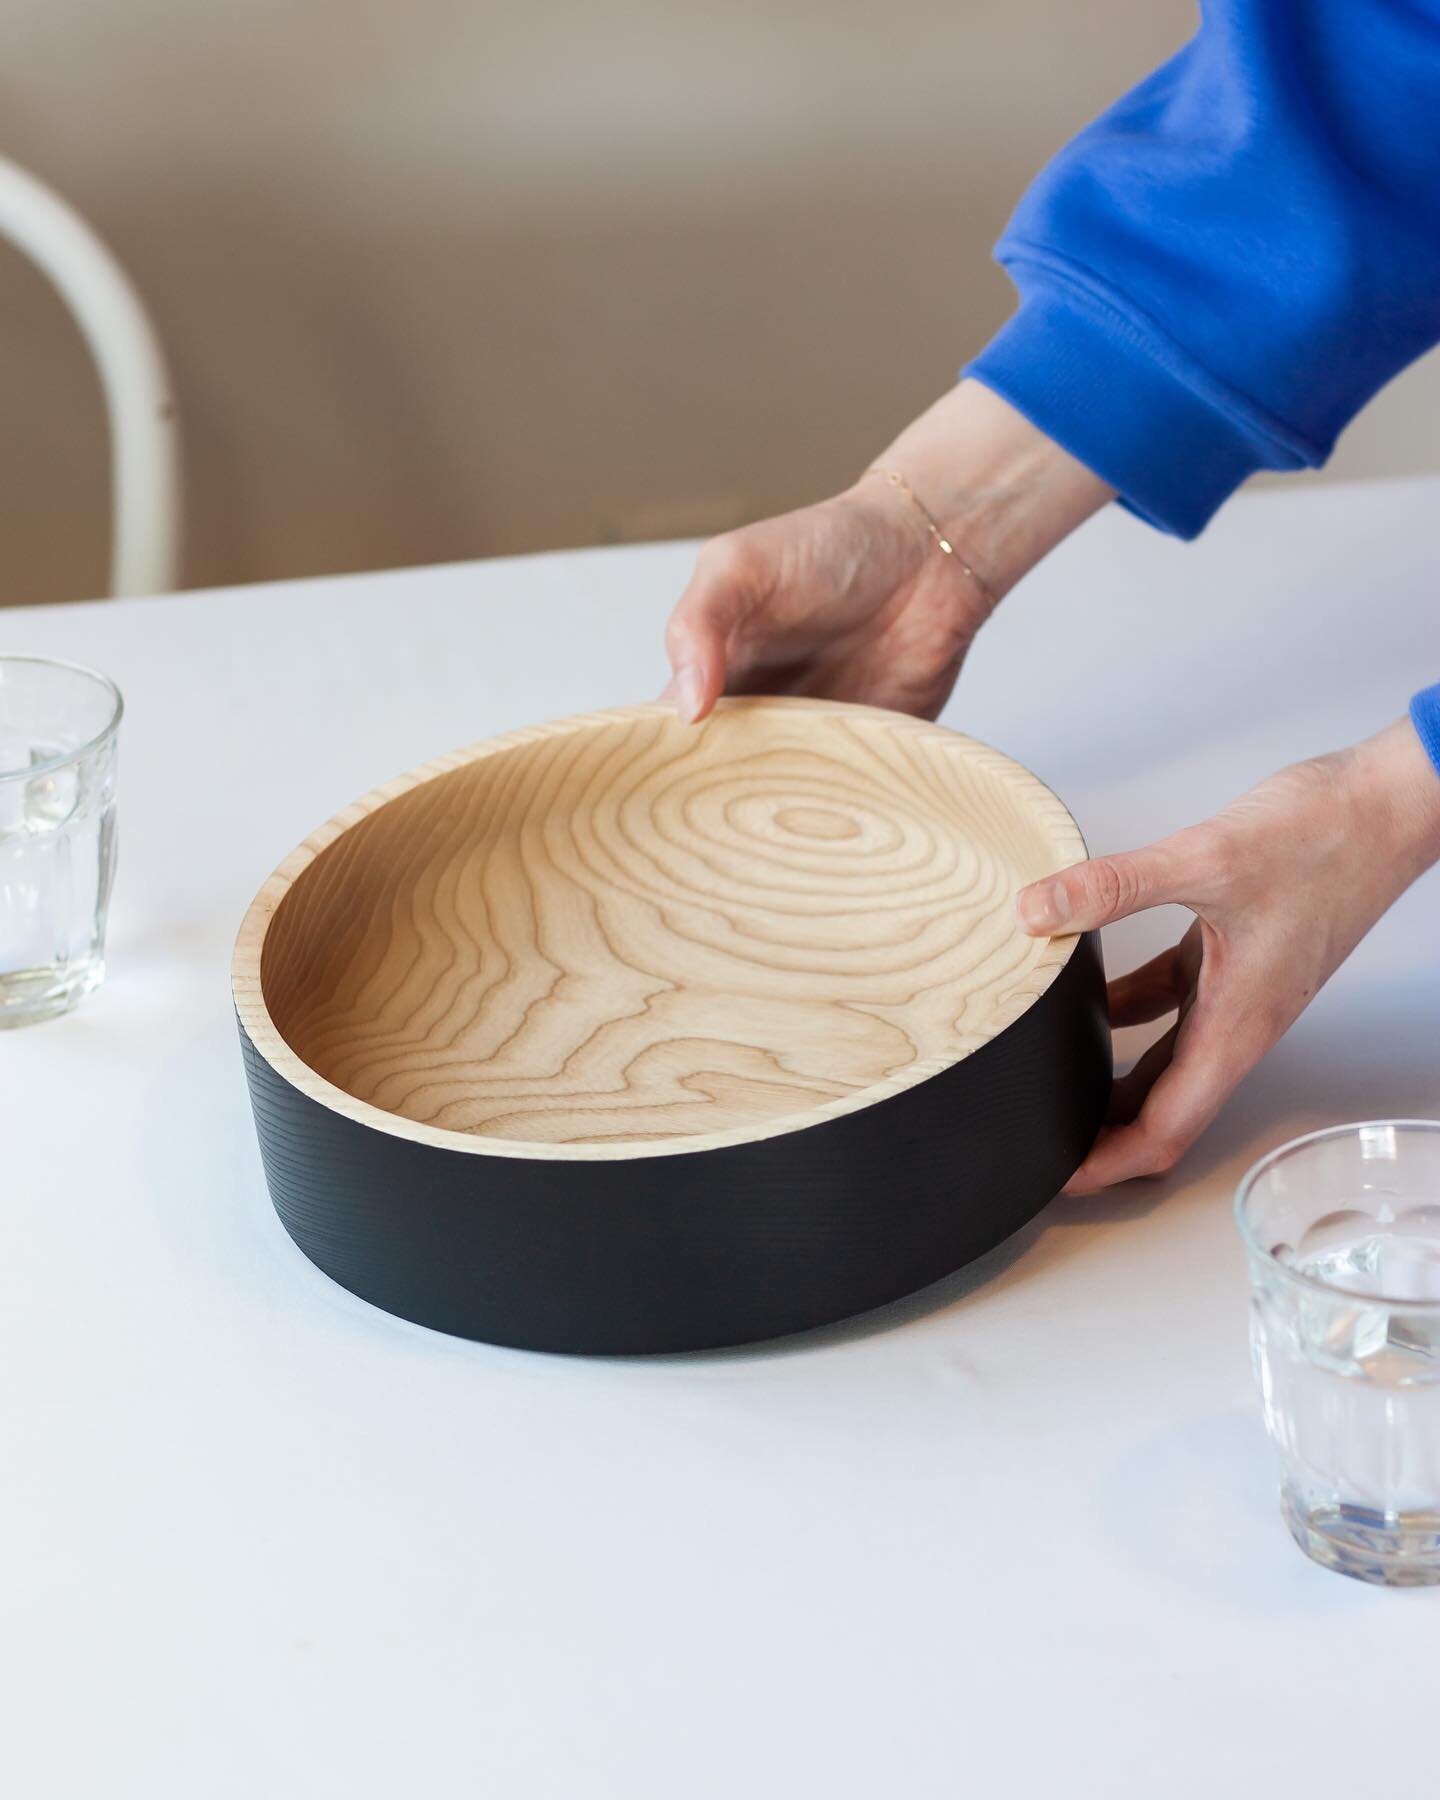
{"x": 1342, "y": 1234}
{"x": 58, "y": 726}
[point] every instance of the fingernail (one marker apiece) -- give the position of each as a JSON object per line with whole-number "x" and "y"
{"x": 1044, "y": 907}
{"x": 688, "y": 695}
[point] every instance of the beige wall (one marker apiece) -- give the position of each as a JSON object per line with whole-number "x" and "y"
{"x": 441, "y": 278}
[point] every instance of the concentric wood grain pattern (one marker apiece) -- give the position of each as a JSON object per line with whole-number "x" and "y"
{"x": 620, "y": 933}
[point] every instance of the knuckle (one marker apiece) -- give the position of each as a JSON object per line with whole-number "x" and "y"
{"x": 726, "y": 558}
{"x": 1162, "y": 1154}
{"x": 678, "y": 631}
{"x": 1113, "y": 884}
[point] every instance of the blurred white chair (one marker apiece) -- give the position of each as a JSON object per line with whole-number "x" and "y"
{"x": 144, "y": 440}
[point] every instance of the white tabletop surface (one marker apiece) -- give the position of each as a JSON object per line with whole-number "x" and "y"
{"x": 1015, "y": 1538}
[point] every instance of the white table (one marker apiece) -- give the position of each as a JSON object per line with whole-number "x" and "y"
{"x": 1016, "y": 1538}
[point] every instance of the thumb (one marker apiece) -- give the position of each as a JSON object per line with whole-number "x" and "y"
{"x": 697, "y": 639}
{"x": 1102, "y": 890}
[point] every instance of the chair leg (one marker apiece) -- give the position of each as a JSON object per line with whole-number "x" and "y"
{"x": 139, "y": 402}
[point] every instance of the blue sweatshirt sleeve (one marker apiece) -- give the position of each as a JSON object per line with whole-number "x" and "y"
{"x": 1218, "y": 273}
{"x": 1425, "y": 714}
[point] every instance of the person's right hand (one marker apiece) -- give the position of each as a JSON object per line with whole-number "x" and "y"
{"x": 852, "y": 599}
{"x": 849, "y": 600}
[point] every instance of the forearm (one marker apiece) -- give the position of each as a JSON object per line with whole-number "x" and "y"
{"x": 1003, "y": 492}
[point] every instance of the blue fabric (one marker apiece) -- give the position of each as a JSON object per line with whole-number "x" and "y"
{"x": 1425, "y": 711}
{"x": 1218, "y": 273}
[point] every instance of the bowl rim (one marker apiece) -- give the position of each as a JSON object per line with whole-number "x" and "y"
{"x": 254, "y": 1014}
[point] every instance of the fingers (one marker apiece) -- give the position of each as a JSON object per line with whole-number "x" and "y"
{"x": 1163, "y": 1104}
{"x": 720, "y": 596}
{"x": 1192, "y": 868}
{"x": 1149, "y": 992}
{"x": 1174, "y": 1092}
{"x": 1129, "y": 1093}
{"x": 1163, "y": 985}
{"x": 1101, "y": 891}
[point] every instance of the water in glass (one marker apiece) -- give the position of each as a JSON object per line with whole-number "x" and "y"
{"x": 57, "y": 857}
{"x": 1348, "y": 1360}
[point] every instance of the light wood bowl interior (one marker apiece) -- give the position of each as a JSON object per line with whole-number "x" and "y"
{"x": 619, "y": 932}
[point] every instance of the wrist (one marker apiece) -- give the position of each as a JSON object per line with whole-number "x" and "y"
{"x": 1397, "y": 791}
{"x": 1002, "y": 492}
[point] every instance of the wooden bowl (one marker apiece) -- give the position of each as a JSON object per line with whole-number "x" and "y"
{"x": 620, "y": 1034}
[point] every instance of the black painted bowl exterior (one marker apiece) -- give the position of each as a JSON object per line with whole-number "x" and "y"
{"x": 703, "y": 1248}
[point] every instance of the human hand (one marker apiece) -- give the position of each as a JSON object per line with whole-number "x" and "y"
{"x": 846, "y": 599}
{"x": 851, "y": 599}
{"x": 1283, "y": 884}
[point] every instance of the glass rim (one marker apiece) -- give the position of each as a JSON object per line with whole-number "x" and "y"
{"x": 108, "y": 730}
{"x": 1310, "y": 1283}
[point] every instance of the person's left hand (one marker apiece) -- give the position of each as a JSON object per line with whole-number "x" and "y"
{"x": 1283, "y": 884}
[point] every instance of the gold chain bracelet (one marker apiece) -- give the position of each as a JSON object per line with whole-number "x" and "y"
{"x": 932, "y": 525}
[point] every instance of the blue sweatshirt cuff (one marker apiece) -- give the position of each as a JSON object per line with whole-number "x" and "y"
{"x": 1121, "y": 401}
{"x": 1425, "y": 711}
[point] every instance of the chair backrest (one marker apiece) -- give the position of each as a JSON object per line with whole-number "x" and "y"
{"x": 144, "y": 438}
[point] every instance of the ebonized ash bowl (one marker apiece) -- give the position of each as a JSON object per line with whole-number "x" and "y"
{"x": 621, "y": 1035}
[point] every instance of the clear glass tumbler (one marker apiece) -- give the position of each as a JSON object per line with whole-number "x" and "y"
{"x": 58, "y": 727}
{"x": 1342, "y": 1231}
